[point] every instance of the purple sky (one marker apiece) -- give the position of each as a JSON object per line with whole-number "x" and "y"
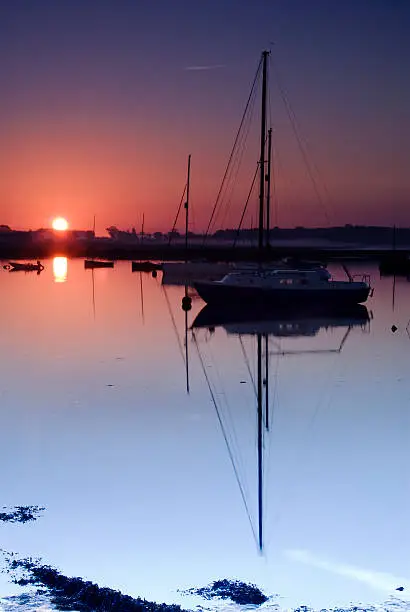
{"x": 99, "y": 108}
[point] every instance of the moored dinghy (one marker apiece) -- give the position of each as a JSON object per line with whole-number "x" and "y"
{"x": 16, "y": 266}
{"x": 90, "y": 264}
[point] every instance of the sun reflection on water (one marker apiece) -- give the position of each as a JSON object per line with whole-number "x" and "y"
{"x": 60, "y": 267}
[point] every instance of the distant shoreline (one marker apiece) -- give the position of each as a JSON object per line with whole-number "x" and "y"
{"x": 364, "y": 242}
{"x": 178, "y": 253}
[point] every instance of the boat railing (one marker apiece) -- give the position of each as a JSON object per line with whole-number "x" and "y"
{"x": 363, "y": 278}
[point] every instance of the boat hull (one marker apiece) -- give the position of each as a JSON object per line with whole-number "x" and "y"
{"x": 144, "y": 266}
{"x": 224, "y": 294}
{"x": 89, "y": 264}
{"x": 24, "y": 267}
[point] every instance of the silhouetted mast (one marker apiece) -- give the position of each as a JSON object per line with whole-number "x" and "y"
{"x": 187, "y": 207}
{"x": 263, "y": 146}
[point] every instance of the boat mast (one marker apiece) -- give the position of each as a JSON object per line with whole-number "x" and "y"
{"x": 186, "y": 300}
{"x": 268, "y": 178}
{"x": 263, "y": 147}
{"x": 187, "y": 206}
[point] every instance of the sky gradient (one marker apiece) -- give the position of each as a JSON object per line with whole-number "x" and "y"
{"x": 99, "y": 109}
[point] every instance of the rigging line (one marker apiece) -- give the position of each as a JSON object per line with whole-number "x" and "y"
{"x": 246, "y": 205}
{"x": 192, "y": 213}
{"x": 142, "y": 299}
{"x": 275, "y": 388}
{"x": 229, "y": 426}
{"x": 93, "y": 284}
{"x": 294, "y": 124}
{"x": 239, "y": 159}
{"x": 234, "y": 146}
{"x": 174, "y": 325}
{"x": 211, "y": 392}
{"x": 308, "y": 148}
{"x": 177, "y": 215}
{"x": 248, "y": 366}
{"x": 229, "y": 418}
{"x": 247, "y": 202}
{"x": 306, "y": 160}
{"x": 230, "y": 182}
{"x": 274, "y": 186}
{"x": 323, "y": 402}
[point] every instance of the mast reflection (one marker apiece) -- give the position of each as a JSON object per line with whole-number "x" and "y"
{"x": 266, "y": 325}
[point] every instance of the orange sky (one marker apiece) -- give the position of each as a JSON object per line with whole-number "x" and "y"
{"x": 95, "y": 119}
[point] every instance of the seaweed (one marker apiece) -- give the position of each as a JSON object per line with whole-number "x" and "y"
{"x": 74, "y": 593}
{"x": 235, "y": 590}
{"x": 20, "y": 514}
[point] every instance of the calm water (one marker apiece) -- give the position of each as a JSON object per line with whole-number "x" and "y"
{"x": 148, "y": 488}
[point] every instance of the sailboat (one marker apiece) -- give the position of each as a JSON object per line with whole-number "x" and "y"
{"x": 91, "y": 264}
{"x": 183, "y": 272}
{"x": 279, "y": 285}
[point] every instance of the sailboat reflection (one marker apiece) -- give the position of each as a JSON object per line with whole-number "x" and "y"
{"x": 266, "y": 326}
{"x": 281, "y": 322}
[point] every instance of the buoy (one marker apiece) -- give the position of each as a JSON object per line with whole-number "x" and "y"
{"x": 186, "y": 303}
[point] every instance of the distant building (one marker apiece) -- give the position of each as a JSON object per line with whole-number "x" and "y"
{"x": 50, "y": 235}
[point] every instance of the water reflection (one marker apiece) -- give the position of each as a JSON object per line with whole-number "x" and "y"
{"x": 136, "y": 474}
{"x": 267, "y": 325}
{"x": 281, "y": 322}
{"x": 60, "y": 269}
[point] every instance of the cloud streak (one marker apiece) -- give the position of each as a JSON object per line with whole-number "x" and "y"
{"x": 377, "y": 580}
{"x": 206, "y": 67}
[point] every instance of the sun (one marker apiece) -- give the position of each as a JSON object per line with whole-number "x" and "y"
{"x": 60, "y": 224}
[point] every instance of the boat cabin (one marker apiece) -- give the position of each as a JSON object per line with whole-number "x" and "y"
{"x": 280, "y": 278}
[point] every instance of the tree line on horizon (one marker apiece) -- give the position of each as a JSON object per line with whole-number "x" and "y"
{"x": 349, "y": 232}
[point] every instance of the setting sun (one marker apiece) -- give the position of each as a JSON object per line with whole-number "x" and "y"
{"x": 60, "y": 224}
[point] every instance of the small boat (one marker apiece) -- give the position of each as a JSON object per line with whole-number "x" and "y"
{"x": 15, "y": 266}
{"x": 145, "y": 266}
{"x": 282, "y": 287}
{"x": 90, "y": 264}
{"x": 395, "y": 264}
